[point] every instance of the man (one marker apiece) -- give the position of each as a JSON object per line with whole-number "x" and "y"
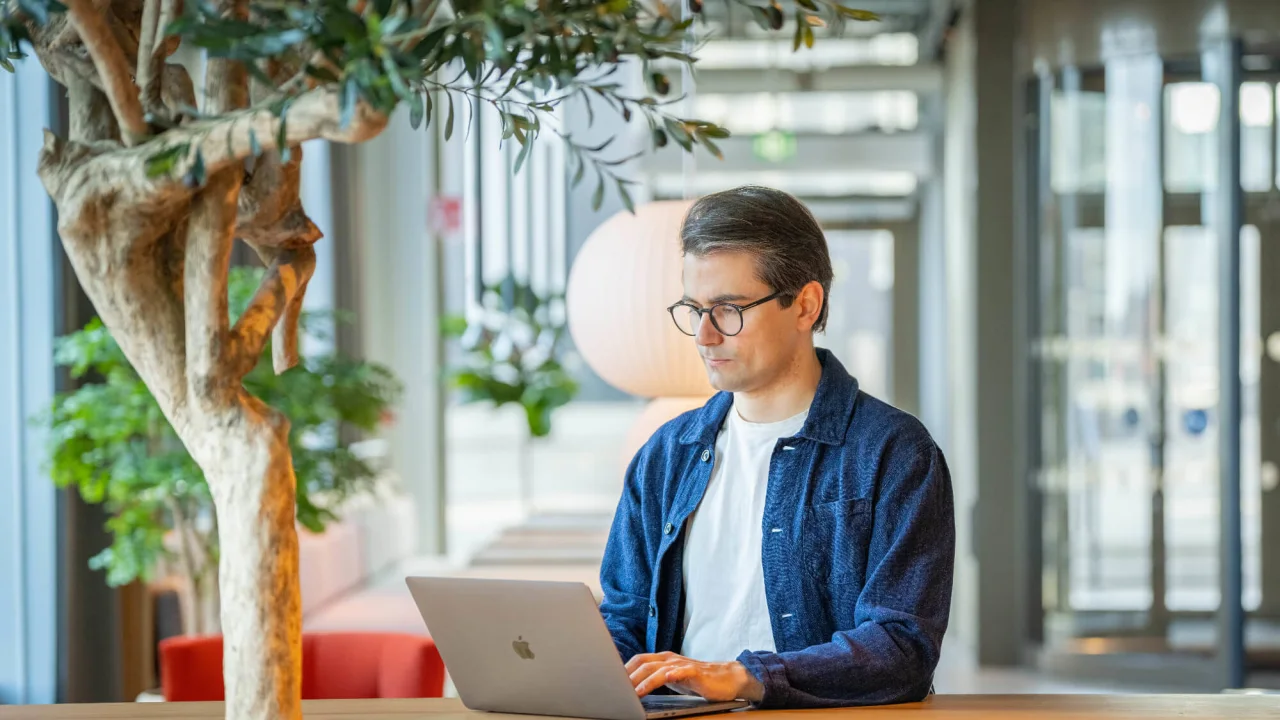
{"x": 791, "y": 542}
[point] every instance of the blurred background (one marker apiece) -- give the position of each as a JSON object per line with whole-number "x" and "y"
{"x": 1052, "y": 228}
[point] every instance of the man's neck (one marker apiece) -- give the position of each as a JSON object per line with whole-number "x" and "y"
{"x": 790, "y": 394}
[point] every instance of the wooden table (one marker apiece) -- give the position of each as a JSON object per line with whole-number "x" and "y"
{"x": 940, "y": 707}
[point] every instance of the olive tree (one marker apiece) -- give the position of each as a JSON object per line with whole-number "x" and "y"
{"x": 160, "y": 173}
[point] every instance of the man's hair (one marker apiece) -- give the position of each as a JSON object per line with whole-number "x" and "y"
{"x": 789, "y": 246}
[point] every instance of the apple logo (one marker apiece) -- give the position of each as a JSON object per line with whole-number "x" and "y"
{"x": 521, "y": 647}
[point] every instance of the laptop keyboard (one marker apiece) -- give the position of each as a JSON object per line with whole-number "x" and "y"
{"x": 670, "y": 702}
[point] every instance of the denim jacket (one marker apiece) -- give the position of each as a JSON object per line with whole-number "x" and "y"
{"x": 858, "y": 548}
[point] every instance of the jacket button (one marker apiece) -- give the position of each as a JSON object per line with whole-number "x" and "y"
{"x": 653, "y": 611}
{"x": 706, "y": 455}
{"x": 667, "y": 530}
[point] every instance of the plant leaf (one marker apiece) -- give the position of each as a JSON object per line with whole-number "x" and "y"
{"x": 448, "y": 123}
{"x": 416, "y": 110}
{"x": 347, "y": 102}
{"x": 597, "y": 198}
{"x": 163, "y": 162}
{"x": 524, "y": 153}
{"x": 626, "y": 198}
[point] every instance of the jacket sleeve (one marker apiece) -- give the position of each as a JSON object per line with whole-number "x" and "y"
{"x": 902, "y": 611}
{"x": 626, "y": 573}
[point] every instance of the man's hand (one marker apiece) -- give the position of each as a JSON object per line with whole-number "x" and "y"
{"x": 713, "y": 681}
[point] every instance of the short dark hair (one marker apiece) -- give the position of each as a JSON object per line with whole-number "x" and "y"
{"x": 788, "y": 244}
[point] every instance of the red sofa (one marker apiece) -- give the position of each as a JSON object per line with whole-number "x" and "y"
{"x": 334, "y": 666}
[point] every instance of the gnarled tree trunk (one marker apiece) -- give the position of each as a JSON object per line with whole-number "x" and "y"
{"x": 152, "y": 253}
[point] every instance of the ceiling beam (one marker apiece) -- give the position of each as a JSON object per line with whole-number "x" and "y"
{"x": 906, "y": 152}
{"x": 924, "y": 78}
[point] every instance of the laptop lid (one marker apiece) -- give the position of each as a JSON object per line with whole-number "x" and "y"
{"x": 536, "y": 648}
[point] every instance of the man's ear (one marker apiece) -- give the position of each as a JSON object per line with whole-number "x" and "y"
{"x": 809, "y": 302}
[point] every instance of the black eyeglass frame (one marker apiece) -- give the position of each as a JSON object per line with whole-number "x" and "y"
{"x": 709, "y": 311}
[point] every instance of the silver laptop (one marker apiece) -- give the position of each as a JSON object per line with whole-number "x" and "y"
{"x": 536, "y": 648}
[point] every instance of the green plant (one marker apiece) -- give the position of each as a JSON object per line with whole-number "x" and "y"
{"x": 511, "y": 353}
{"x": 111, "y": 441}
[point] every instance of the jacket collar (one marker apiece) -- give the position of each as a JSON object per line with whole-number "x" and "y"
{"x": 829, "y": 415}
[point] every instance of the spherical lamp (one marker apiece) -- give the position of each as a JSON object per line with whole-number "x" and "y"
{"x": 623, "y": 279}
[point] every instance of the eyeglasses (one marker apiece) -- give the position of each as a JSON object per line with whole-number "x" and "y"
{"x": 726, "y": 318}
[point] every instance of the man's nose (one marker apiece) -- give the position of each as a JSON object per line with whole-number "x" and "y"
{"x": 707, "y": 333}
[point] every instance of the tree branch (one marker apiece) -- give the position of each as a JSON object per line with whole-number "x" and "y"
{"x": 114, "y": 180}
{"x": 276, "y": 306}
{"x": 210, "y": 234}
{"x": 150, "y": 59}
{"x": 271, "y": 213}
{"x": 113, "y": 67}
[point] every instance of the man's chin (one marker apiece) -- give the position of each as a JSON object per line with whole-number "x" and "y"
{"x": 721, "y": 382}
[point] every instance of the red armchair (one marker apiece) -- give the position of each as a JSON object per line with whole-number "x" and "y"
{"x": 334, "y": 666}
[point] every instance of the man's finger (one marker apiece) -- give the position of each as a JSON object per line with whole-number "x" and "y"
{"x": 644, "y": 671}
{"x": 667, "y": 674}
{"x": 638, "y": 660}
{"x": 652, "y": 682}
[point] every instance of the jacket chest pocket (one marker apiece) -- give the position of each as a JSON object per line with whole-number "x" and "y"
{"x": 835, "y": 540}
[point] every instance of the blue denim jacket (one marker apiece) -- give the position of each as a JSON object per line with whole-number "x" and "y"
{"x": 859, "y": 544}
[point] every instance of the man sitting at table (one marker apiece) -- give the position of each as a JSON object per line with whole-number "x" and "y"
{"x": 791, "y": 542}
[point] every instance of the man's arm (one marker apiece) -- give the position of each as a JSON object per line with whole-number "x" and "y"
{"x": 902, "y": 611}
{"x": 626, "y": 572}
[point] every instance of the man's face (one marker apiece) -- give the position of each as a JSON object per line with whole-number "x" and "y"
{"x": 765, "y": 346}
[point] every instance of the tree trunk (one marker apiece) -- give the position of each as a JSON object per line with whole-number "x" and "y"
{"x": 247, "y": 461}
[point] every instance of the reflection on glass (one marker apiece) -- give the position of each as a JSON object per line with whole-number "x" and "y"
{"x": 1191, "y": 430}
{"x": 860, "y": 326}
{"x": 1191, "y": 116}
{"x": 1257, "y": 114}
{"x": 1078, "y": 151}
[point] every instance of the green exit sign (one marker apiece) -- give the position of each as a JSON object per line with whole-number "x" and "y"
{"x": 774, "y": 146}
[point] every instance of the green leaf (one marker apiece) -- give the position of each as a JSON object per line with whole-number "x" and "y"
{"x": 800, "y": 26}
{"x": 282, "y": 133}
{"x": 324, "y": 75}
{"x": 347, "y": 101}
{"x": 398, "y": 84}
{"x": 524, "y": 153}
{"x": 416, "y": 110}
{"x": 582, "y": 168}
{"x": 713, "y": 148}
{"x": 626, "y": 198}
{"x": 597, "y": 198}
{"x": 37, "y": 9}
{"x": 4, "y": 63}
{"x": 448, "y": 123}
{"x": 196, "y": 175}
{"x": 808, "y": 35}
{"x": 163, "y": 162}
{"x": 862, "y": 15}
{"x": 679, "y": 133}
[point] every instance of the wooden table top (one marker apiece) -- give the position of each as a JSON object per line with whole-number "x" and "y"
{"x": 939, "y": 707}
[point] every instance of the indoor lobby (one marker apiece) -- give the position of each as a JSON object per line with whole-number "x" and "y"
{"x": 1050, "y": 229}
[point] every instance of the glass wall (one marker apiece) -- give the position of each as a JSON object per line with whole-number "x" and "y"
{"x": 1127, "y": 368}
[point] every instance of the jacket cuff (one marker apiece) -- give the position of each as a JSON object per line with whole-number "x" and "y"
{"x": 772, "y": 674}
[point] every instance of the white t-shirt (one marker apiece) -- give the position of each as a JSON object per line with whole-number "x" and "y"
{"x": 725, "y": 607}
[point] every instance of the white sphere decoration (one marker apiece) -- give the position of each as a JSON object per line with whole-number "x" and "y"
{"x": 622, "y": 281}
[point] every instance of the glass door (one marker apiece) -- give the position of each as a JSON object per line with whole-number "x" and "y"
{"x": 1131, "y": 460}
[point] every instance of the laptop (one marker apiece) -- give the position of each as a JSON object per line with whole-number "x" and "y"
{"x": 537, "y": 648}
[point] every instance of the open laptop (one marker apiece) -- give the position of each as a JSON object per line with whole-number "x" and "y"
{"x": 536, "y": 648}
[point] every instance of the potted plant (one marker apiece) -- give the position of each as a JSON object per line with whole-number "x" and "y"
{"x": 511, "y": 354}
{"x": 111, "y": 442}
